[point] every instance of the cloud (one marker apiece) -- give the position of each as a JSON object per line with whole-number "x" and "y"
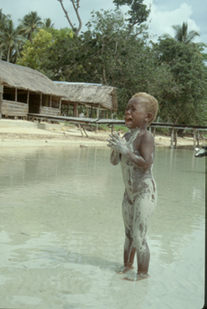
{"x": 162, "y": 21}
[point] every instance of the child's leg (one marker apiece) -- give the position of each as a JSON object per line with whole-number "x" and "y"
{"x": 129, "y": 248}
{"x": 144, "y": 207}
{"x": 132, "y": 255}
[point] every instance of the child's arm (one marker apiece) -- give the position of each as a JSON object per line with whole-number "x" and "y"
{"x": 145, "y": 148}
{"x": 115, "y": 157}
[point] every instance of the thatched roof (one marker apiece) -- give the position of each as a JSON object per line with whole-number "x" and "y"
{"x": 90, "y": 94}
{"x": 12, "y": 75}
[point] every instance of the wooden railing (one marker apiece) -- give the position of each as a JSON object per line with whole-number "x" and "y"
{"x": 111, "y": 122}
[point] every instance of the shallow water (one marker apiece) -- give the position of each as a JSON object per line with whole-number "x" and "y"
{"x": 62, "y": 234}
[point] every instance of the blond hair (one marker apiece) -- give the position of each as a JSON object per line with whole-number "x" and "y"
{"x": 150, "y": 104}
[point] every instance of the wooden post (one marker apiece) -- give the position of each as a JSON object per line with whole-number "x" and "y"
{"x": 76, "y": 109}
{"x": 194, "y": 138}
{"x": 40, "y": 99}
{"x": 40, "y": 109}
{"x": 107, "y": 114}
{"x": 85, "y": 131}
{"x": 112, "y": 129}
{"x": 27, "y": 102}
{"x": 175, "y": 139}
{"x": 197, "y": 138}
{"x": 98, "y": 112}
{"x": 87, "y": 112}
{"x": 50, "y": 101}
{"x": 1, "y": 99}
{"x": 60, "y": 102}
{"x": 154, "y": 129}
{"x": 81, "y": 130}
{"x": 15, "y": 99}
{"x": 97, "y": 116}
{"x": 172, "y": 138}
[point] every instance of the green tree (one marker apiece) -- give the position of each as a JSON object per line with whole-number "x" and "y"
{"x": 30, "y": 24}
{"x": 36, "y": 55}
{"x": 186, "y": 65}
{"x": 138, "y": 11}
{"x": 63, "y": 55}
{"x": 124, "y": 60}
{"x": 108, "y": 54}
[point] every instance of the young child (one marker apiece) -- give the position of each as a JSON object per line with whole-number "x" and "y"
{"x": 136, "y": 152}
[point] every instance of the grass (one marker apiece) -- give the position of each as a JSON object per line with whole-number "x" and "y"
{"x": 117, "y": 128}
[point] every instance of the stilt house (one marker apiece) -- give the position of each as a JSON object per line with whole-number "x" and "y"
{"x": 100, "y": 97}
{"x": 23, "y": 91}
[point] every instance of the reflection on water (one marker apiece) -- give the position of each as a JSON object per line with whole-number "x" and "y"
{"x": 62, "y": 234}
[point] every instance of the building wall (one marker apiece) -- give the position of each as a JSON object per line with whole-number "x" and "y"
{"x": 49, "y": 111}
{"x": 12, "y": 108}
{"x": 18, "y": 103}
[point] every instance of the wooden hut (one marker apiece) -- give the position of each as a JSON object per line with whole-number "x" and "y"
{"x": 96, "y": 96}
{"x": 23, "y": 91}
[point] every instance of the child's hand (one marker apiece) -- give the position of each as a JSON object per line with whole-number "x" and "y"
{"x": 117, "y": 144}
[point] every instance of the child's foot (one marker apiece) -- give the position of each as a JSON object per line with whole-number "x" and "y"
{"x": 124, "y": 269}
{"x": 136, "y": 277}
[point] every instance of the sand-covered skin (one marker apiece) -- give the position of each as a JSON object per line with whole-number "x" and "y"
{"x": 21, "y": 133}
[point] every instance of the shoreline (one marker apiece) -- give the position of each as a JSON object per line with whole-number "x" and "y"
{"x": 29, "y": 140}
{"x": 21, "y": 133}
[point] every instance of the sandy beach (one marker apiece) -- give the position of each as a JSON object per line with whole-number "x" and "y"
{"x": 22, "y": 133}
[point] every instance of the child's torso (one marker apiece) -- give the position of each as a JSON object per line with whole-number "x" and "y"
{"x": 134, "y": 176}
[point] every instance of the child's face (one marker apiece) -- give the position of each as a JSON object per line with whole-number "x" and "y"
{"x": 135, "y": 114}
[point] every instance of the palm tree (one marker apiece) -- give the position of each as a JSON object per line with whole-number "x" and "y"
{"x": 18, "y": 48}
{"x": 182, "y": 34}
{"x": 48, "y": 23}
{"x": 3, "y": 19}
{"x": 3, "y": 24}
{"x": 10, "y": 39}
{"x": 29, "y": 24}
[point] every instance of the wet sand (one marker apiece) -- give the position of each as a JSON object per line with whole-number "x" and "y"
{"x": 20, "y": 133}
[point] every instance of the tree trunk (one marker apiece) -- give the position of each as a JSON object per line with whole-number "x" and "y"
{"x": 8, "y": 53}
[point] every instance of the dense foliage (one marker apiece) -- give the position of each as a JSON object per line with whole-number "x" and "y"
{"x": 116, "y": 51}
{"x": 186, "y": 65}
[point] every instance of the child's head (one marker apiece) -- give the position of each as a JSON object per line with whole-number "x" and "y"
{"x": 148, "y": 102}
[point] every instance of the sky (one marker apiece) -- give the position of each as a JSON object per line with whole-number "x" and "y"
{"x": 164, "y": 13}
